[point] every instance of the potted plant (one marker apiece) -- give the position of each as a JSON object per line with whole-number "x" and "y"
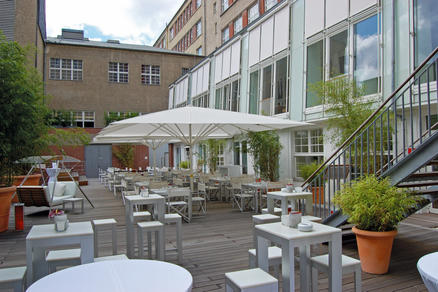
{"x": 375, "y": 208}
{"x": 306, "y": 171}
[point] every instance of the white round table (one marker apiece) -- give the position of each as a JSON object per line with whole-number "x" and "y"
{"x": 122, "y": 275}
{"x": 428, "y": 268}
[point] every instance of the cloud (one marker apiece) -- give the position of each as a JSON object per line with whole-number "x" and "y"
{"x": 130, "y": 21}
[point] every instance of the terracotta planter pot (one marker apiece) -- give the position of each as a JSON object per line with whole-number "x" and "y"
{"x": 5, "y": 206}
{"x": 374, "y": 250}
{"x": 32, "y": 180}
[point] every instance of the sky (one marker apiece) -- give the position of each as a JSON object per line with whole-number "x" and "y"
{"x": 130, "y": 21}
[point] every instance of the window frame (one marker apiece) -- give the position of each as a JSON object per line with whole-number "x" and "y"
{"x": 148, "y": 74}
{"x": 118, "y": 72}
{"x": 60, "y": 70}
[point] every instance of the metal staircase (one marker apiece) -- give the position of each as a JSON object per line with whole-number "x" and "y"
{"x": 399, "y": 140}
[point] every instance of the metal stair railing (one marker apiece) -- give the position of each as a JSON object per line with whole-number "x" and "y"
{"x": 387, "y": 136}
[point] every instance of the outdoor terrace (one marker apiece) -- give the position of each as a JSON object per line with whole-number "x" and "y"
{"x": 218, "y": 243}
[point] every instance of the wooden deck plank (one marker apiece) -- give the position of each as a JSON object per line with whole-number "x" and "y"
{"x": 219, "y": 243}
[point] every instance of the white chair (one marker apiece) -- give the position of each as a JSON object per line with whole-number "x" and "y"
{"x": 177, "y": 220}
{"x": 241, "y": 199}
{"x": 102, "y": 224}
{"x": 176, "y": 201}
{"x": 274, "y": 258}
{"x": 349, "y": 265}
{"x": 62, "y": 258}
{"x": 201, "y": 199}
{"x": 148, "y": 227}
{"x": 277, "y": 211}
{"x": 263, "y": 219}
{"x": 118, "y": 186}
{"x": 13, "y": 278}
{"x": 252, "y": 280}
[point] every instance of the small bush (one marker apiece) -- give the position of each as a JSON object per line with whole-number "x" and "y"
{"x": 374, "y": 204}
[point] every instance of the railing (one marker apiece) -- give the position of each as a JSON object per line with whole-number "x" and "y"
{"x": 400, "y": 124}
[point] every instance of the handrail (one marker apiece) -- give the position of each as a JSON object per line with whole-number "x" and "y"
{"x": 371, "y": 117}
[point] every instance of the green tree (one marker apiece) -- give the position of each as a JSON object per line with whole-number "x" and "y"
{"x": 345, "y": 106}
{"x": 265, "y": 147}
{"x": 125, "y": 154}
{"x": 23, "y": 114}
{"x": 213, "y": 148}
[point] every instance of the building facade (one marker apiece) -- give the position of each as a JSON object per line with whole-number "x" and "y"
{"x": 266, "y": 68}
{"x": 25, "y": 23}
{"x": 97, "y": 81}
{"x": 201, "y": 26}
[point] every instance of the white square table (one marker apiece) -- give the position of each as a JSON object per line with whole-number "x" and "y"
{"x": 285, "y": 197}
{"x": 289, "y": 238}
{"x": 42, "y": 237}
{"x": 130, "y": 201}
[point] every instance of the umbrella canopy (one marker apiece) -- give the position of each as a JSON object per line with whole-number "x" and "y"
{"x": 45, "y": 158}
{"x": 193, "y": 124}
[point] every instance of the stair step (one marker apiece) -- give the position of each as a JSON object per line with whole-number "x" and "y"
{"x": 433, "y": 162}
{"x": 418, "y": 184}
{"x": 433, "y": 175}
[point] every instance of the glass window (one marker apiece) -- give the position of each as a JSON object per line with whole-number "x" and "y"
{"x": 303, "y": 160}
{"x": 316, "y": 141}
{"x": 315, "y": 54}
{"x": 150, "y": 74}
{"x": 244, "y": 157}
{"x": 301, "y": 141}
{"x": 269, "y": 4}
{"x": 65, "y": 69}
{"x": 199, "y": 51}
{"x": 338, "y": 54}
{"x": 198, "y": 28}
{"x": 236, "y": 153}
{"x": 266, "y": 91}
{"x": 281, "y": 92}
{"x": 224, "y": 5}
{"x": 198, "y": 3}
{"x": 214, "y": 8}
{"x": 225, "y": 34}
{"x": 235, "y": 96}
{"x": 253, "y": 13}
{"x": 218, "y": 100}
{"x": 238, "y": 24}
{"x": 253, "y": 92}
{"x": 366, "y": 54}
{"x": 426, "y": 30}
{"x": 226, "y": 97}
{"x": 118, "y": 72}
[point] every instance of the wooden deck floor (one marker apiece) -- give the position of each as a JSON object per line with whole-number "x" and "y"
{"x": 219, "y": 242}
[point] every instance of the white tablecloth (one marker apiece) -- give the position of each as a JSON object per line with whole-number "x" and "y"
{"x": 120, "y": 276}
{"x": 428, "y": 268}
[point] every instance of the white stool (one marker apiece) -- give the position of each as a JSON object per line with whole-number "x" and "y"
{"x": 118, "y": 257}
{"x": 63, "y": 257}
{"x": 73, "y": 201}
{"x": 274, "y": 258}
{"x": 277, "y": 211}
{"x": 177, "y": 219}
{"x": 349, "y": 265}
{"x": 151, "y": 226}
{"x": 104, "y": 224}
{"x": 255, "y": 280}
{"x": 141, "y": 216}
{"x": 12, "y": 278}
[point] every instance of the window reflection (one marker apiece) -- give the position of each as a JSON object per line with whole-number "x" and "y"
{"x": 253, "y": 92}
{"x": 366, "y": 54}
{"x": 314, "y": 71}
{"x": 281, "y": 86}
{"x": 267, "y": 91}
{"x": 339, "y": 54}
